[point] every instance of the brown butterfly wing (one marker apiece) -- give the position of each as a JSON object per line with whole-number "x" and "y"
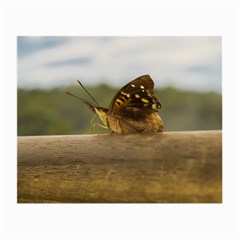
{"x": 136, "y": 94}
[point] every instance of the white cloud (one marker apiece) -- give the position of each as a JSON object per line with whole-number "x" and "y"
{"x": 120, "y": 59}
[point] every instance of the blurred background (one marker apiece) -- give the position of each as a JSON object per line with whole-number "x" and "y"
{"x": 186, "y": 72}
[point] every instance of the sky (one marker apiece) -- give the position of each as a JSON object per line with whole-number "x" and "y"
{"x": 187, "y": 63}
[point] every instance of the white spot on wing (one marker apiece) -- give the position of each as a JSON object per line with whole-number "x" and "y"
{"x": 142, "y": 87}
{"x": 126, "y": 94}
{"x": 133, "y": 85}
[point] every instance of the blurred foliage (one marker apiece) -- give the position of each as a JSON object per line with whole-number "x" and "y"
{"x": 52, "y": 112}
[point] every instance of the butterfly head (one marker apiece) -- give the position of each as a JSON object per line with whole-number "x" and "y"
{"x": 100, "y": 111}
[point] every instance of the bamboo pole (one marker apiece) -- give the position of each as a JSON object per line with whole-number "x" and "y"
{"x": 170, "y": 167}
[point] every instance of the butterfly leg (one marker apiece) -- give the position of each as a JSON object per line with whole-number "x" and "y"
{"x": 93, "y": 125}
{"x": 100, "y": 125}
{"x": 92, "y": 130}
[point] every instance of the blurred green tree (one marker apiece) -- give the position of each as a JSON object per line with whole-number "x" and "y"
{"x": 50, "y": 112}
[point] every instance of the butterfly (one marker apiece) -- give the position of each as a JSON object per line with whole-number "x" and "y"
{"x": 134, "y": 109}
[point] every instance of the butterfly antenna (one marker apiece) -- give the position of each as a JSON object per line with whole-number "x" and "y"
{"x": 87, "y": 92}
{"x": 75, "y": 96}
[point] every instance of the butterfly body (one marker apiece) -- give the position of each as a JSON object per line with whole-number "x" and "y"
{"x": 133, "y": 109}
